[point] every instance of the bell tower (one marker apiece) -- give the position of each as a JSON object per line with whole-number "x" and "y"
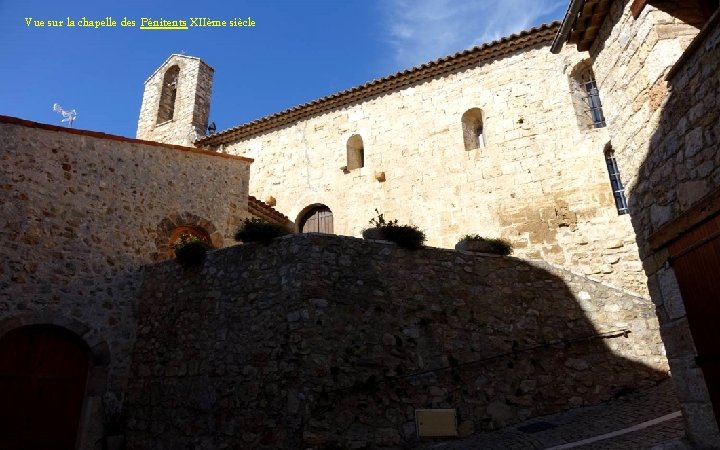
{"x": 176, "y": 102}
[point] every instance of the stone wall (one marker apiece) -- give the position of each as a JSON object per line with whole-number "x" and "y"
{"x": 683, "y": 164}
{"x": 540, "y": 180}
{"x": 630, "y": 58}
{"x": 680, "y": 172}
{"x": 320, "y": 341}
{"x": 664, "y": 132}
{"x": 191, "y": 106}
{"x": 80, "y": 213}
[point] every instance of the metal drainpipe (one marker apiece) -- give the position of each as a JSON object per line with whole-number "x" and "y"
{"x": 567, "y": 23}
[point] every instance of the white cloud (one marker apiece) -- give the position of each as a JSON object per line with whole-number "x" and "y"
{"x": 423, "y": 30}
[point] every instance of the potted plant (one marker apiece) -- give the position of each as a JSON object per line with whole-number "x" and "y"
{"x": 479, "y": 244}
{"x": 191, "y": 249}
{"x": 406, "y": 236}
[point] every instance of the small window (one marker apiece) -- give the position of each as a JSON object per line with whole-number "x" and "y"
{"x": 592, "y": 99}
{"x": 586, "y": 97}
{"x": 615, "y": 182}
{"x": 168, "y": 94}
{"x": 473, "y": 132}
{"x": 355, "y": 152}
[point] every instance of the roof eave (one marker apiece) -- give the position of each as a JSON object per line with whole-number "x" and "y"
{"x": 566, "y": 25}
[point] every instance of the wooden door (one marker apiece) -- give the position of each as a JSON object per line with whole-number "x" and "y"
{"x": 318, "y": 220}
{"x": 695, "y": 258}
{"x": 43, "y": 370}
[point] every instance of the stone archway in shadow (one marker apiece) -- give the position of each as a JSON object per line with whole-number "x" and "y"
{"x": 170, "y": 227}
{"x": 42, "y": 332}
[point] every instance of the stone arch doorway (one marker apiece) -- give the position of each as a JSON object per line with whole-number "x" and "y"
{"x": 43, "y": 376}
{"x": 315, "y": 219}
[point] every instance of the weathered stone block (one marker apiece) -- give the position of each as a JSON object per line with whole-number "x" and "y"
{"x": 670, "y": 291}
{"x": 701, "y": 424}
{"x": 677, "y": 338}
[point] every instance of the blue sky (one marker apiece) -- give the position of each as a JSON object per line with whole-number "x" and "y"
{"x": 298, "y": 51}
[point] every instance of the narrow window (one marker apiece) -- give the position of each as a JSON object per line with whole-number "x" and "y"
{"x": 472, "y": 126}
{"x": 615, "y": 182}
{"x": 355, "y": 152}
{"x": 168, "y": 94}
{"x": 586, "y": 97}
{"x": 593, "y": 100}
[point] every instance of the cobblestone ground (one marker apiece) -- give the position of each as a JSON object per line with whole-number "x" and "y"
{"x": 563, "y": 429}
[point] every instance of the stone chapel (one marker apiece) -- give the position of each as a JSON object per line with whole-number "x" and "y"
{"x": 590, "y": 144}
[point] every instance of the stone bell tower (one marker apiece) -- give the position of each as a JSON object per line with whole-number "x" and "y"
{"x": 176, "y": 101}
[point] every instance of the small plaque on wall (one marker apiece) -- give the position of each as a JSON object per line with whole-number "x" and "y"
{"x": 436, "y": 422}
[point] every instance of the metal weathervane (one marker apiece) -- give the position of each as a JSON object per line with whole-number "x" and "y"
{"x": 68, "y": 116}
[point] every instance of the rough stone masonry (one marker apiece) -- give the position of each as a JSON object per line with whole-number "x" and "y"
{"x": 317, "y": 340}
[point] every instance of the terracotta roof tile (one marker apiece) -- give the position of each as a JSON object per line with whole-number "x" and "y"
{"x": 588, "y": 23}
{"x": 113, "y": 137}
{"x": 439, "y": 67}
{"x": 262, "y": 210}
{"x": 581, "y": 24}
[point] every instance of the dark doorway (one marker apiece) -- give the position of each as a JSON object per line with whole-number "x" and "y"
{"x": 695, "y": 258}
{"x": 43, "y": 370}
{"x": 318, "y": 219}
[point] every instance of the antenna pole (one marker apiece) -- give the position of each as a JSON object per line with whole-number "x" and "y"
{"x": 68, "y": 116}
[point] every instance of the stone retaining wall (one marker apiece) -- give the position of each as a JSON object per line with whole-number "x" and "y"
{"x": 316, "y": 340}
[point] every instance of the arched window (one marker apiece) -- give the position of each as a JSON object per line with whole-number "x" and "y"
{"x": 166, "y": 109}
{"x": 355, "y": 152}
{"x": 316, "y": 219}
{"x": 472, "y": 126}
{"x": 615, "y": 181}
{"x": 586, "y": 97}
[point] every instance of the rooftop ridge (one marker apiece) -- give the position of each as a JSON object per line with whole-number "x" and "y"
{"x": 488, "y": 51}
